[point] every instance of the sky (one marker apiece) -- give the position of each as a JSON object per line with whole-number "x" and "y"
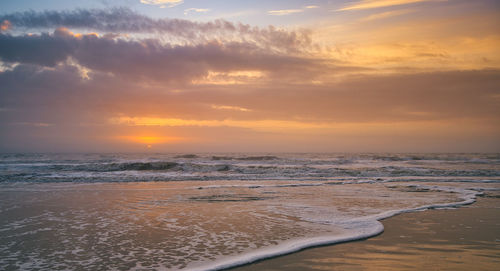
{"x": 250, "y": 76}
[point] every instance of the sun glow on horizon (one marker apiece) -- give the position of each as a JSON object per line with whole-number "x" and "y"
{"x": 333, "y": 76}
{"x": 150, "y": 140}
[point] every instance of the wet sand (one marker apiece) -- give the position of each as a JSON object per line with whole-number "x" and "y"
{"x": 467, "y": 238}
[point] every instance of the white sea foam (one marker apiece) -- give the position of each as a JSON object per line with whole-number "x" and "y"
{"x": 360, "y": 228}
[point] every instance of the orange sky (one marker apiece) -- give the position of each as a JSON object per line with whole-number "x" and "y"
{"x": 352, "y": 76}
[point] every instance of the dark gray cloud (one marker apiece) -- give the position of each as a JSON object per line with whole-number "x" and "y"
{"x": 148, "y": 58}
{"x": 193, "y": 50}
{"x": 44, "y": 49}
{"x": 124, "y": 20}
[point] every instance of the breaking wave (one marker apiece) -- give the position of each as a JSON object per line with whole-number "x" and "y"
{"x": 166, "y": 167}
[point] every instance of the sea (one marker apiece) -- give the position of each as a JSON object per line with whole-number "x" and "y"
{"x": 213, "y": 211}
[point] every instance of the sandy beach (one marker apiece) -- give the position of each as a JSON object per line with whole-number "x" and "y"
{"x": 90, "y": 212}
{"x": 467, "y": 238}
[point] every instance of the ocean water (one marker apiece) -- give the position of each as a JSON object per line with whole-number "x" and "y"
{"x": 212, "y": 211}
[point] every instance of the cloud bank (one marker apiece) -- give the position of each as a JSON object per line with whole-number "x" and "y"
{"x": 74, "y": 80}
{"x": 148, "y": 59}
{"x": 124, "y": 20}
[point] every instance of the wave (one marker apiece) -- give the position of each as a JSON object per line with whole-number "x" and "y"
{"x": 361, "y": 227}
{"x": 171, "y": 171}
{"x": 166, "y": 167}
{"x": 104, "y": 167}
{"x": 441, "y": 157}
{"x": 187, "y": 156}
{"x": 246, "y": 158}
{"x": 274, "y": 169}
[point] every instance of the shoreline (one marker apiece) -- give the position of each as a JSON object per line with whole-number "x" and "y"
{"x": 371, "y": 226}
{"x": 408, "y": 239}
{"x": 294, "y": 250}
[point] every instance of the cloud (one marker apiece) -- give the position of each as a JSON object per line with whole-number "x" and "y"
{"x": 231, "y": 83}
{"x": 44, "y": 49}
{"x": 163, "y": 3}
{"x": 190, "y": 52}
{"x": 455, "y": 105}
{"x": 383, "y": 98}
{"x": 124, "y": 20}
{"x": 198, "y": 10}
{"x": 150, "y": 59}
{"x": 5, "y": 25}
{"x": 282, "y": 12}
{"x": 268, "y": 125}
{"x": 34, "y": 124}
{"x": 440, "y": 97}
{"x": 387, "y": 14}
{"x": 230, "y": 107}
{"x": 370, "y": 4}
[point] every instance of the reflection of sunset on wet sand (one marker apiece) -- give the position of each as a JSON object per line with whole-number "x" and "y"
{"x": 459, "y": 239}
{"x": 172, "y": 225}
{"x": 210, "y": 211}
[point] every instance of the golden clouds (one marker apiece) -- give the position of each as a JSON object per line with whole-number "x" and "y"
{"x": 425, "y": 73}
{"x": 387, "y": 14}
{"x": 429, "y": 135}
{"x": 230, "y": 78}
{"x": 303, "y": 127}
{"x": 462, "y": 53}
{"x": 5, "y": 25}
{"x": 370, "y": 4}
{"x": 266, "y": 125}
{"x": 409, "y": 40}
{"x": 230, "y": 107}
{"x": 65, "y": 32}
{"x": 149, "y": 139}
